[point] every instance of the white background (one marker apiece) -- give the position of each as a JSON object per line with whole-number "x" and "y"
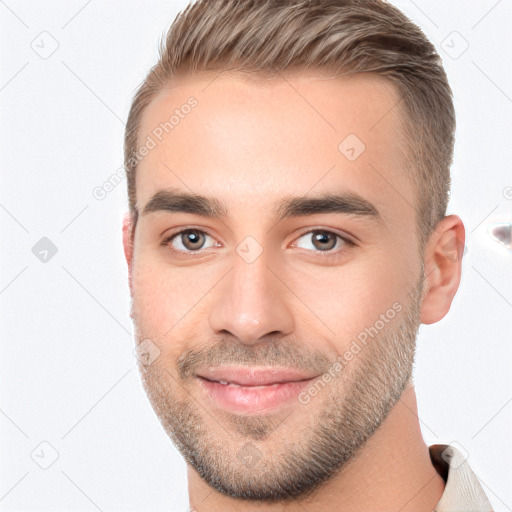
{"x": 68, "y": 373}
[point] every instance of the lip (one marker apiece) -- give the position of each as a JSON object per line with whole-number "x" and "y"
{"x": 254, "y": 376}
{"x": 253, "y": 390}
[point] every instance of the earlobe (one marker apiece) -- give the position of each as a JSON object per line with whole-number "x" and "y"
{"x": 128, "y": 245}
{"x": 443, "y": 268}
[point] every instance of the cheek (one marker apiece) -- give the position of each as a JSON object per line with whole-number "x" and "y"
{"x": 346, "y": 300}
{"x": 154, "y": 300}
{"x": 168, "y": 302}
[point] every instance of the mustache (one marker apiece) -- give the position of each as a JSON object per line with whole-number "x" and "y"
{"x": 284, "y": 353}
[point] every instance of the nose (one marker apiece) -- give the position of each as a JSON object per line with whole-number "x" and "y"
{"x": 251, "y": 303}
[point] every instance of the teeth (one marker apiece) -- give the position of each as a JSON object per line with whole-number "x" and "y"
{"x": 225, "y": 383}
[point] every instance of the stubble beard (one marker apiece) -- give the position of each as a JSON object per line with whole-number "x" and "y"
{"x": 353, "y": 406}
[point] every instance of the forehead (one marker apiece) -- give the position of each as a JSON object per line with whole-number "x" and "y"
{"x": 252, "y": 142}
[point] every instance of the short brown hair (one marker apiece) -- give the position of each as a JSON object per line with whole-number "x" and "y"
{"x": 265, "y": 37}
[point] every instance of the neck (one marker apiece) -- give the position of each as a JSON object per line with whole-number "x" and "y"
{"x": 391, "y": 472}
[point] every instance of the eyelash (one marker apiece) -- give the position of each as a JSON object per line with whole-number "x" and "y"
{"x": 327, "y": 254}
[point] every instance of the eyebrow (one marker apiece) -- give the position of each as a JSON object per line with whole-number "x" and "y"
{"x": 172, "y": 200}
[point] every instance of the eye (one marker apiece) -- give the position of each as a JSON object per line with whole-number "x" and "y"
{"x": 192, "y": 240}
{"x": 324, "y": 241}
{"x": 187, "y": 240}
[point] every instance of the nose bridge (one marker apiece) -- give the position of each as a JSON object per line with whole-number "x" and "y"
{"x": 252, "y": 302}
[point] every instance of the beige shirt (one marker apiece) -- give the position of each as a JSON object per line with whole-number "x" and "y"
{"x": 462, "y": 492}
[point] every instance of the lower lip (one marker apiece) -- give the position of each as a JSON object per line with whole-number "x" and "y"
{"x": 252, "y": 399}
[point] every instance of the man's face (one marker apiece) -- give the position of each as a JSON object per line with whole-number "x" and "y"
{"x": 256, "y": 289}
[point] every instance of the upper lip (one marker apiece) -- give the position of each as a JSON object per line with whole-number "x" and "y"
{"x": 253, "y": 376}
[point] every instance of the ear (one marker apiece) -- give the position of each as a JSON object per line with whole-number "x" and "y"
{"x": 443, "y": 268}
{"x": 128, "y": 245}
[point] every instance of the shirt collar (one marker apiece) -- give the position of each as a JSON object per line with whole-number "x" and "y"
{"x": 462, "y": 488}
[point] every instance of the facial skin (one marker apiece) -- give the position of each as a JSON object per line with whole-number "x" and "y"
{"x": 250, "y": 146}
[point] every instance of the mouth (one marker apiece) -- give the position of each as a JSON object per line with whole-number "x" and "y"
{"x": 253, "y": 376}
{"x": 252, "y": 390}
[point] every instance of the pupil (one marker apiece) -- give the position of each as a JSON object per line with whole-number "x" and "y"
{"x": 323, "y": 238}
{"x": 191, "y": 237}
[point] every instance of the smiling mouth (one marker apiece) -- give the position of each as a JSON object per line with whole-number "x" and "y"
{"x": 252, "y": 398}
{"x": 252, "y": 386}
{"x": 245, "y": 376}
